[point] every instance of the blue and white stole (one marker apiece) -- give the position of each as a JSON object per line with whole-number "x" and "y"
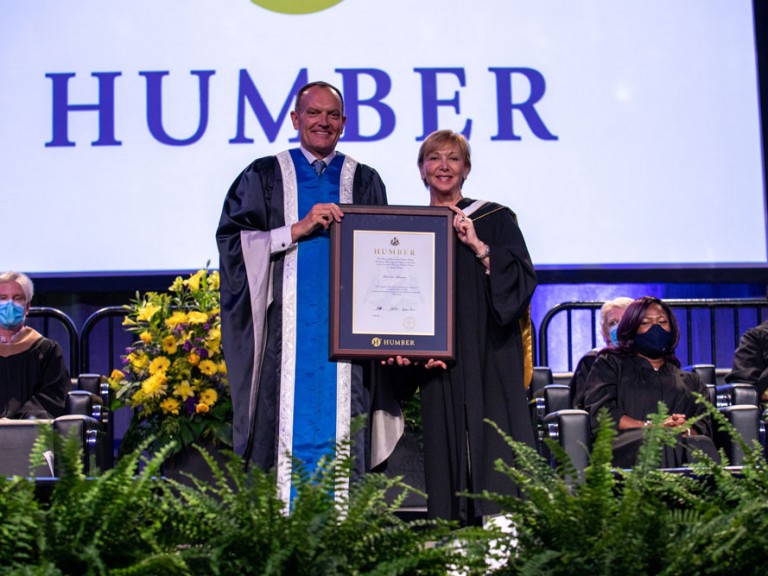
{"x": 315, "y": 393}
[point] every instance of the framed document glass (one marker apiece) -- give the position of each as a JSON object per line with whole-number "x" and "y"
{"x": 392, "y": 282}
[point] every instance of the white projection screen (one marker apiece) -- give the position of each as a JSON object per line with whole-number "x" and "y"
{"x": 623, "y": 133}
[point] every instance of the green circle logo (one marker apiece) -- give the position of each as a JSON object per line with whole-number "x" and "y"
{"x": 295, "y": 6}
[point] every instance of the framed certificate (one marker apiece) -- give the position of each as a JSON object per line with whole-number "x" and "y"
{"x": 392, "y": 283}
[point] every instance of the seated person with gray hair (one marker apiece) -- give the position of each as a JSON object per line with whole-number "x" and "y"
{"x": 33, "y": 375}
{"x": 610, "y": 315}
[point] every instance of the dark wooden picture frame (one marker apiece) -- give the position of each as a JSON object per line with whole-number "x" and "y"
{"x": 431, "y": 224}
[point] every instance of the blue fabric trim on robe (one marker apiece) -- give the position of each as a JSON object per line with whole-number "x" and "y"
{"x": 314, "y": 422}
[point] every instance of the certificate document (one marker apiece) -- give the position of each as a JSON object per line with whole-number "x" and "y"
{"x": 394, "y": 282}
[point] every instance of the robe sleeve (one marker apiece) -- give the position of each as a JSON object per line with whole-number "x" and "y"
{"x": 245, "y": 227}
{"x": 578, "y": 383}
{"x": 512, "y": 279}
{"x": 384, "y": 413}
{"x": 368, "y": 187}
{"x": 602, "y": 390}
{"x": 750, "y": 361}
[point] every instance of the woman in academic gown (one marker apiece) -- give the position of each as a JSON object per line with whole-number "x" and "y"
{"x": 494, "y": 284}
{"x": 630, "y": 380}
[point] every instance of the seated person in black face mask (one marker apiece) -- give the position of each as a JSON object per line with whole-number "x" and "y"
{"x": 631, "y": 379}
{"x": 33, "y": 375}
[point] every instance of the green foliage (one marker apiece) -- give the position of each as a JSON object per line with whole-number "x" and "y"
{"x": 246, "y": 528}
{"x": 20, "y": 519}
{"x": 97, "y": 524}
{"x": 123, "y": 523}
{"x": 412, "y": 412}
{"x": 644, "y": 521}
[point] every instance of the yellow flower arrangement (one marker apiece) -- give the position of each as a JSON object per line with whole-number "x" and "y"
{"x": 174, "y": 375}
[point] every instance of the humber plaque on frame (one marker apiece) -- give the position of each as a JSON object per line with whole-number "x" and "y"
{"x": 392, "y": 282}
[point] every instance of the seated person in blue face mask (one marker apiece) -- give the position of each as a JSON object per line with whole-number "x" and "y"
{"x": 33, "y": 375}
{"x": 642, "y": 370}
{"x": 610, "y": 314}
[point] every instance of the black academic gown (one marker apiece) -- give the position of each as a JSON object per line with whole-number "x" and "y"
{"x": 255, "y": 202}
{"x": 33, "y": 377}
{"x": 486, "y": 381}
{"x": 750, "y": 361}
{"x": 625, "y": 384}
{"x": 578, "y": 383}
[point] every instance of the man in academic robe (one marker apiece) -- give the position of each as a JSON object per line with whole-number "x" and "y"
{"x": 750, "y": 360}
{"x": 33, "y": 374}
{"x": 289, "y": 400}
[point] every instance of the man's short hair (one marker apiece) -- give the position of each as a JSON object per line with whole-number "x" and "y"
{"x": 319, "y": 84}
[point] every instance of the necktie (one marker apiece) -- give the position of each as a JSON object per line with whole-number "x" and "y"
{"x": 319, "y": 166}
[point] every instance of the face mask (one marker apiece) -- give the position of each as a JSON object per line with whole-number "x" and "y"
{"x": 654, "y": 343}
{"x": 614, "y": 336}
{"x": 11, "y": 314}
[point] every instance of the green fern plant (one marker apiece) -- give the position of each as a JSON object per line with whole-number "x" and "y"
{"x": 643, "y": 521}
{"x": 97, "y": 525}
{"x": 20, "y": 521}
{"x": 238, "y": 525}
{"x": 724, "y": 532}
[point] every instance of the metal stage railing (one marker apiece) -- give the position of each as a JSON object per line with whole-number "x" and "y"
{"x": 709, "y": 333}
{"x": 709, "y": 330}
{"x": 50, "y": 322}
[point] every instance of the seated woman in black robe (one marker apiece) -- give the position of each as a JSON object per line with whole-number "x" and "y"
{"x": 630, "y": 380}
{"x": 33, "y": 375}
